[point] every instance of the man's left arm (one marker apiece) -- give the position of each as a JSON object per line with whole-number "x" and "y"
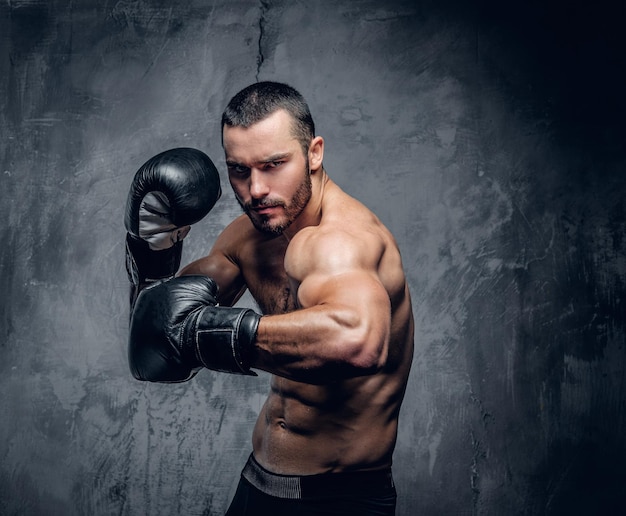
{"x": 342, "y": 329}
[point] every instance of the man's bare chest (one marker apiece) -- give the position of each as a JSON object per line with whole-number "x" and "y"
{"x": 274, "y": 296}
{"x": 269, "y": 284}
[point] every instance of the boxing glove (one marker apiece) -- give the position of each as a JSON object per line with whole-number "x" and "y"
{"x": 176, "y": 329}
{"x": 169, "y": 193}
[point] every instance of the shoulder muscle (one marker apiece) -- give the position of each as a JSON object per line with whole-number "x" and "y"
{"x": 334, "y": 251}
{"x": 328, "y": 264}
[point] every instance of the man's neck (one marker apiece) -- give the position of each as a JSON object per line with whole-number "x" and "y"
{"x": 312, "y": 213}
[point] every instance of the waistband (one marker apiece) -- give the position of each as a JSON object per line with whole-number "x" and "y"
{"x": 325, "y": 485}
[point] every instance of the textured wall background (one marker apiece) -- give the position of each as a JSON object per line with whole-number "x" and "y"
{"x": 488, "y": 137}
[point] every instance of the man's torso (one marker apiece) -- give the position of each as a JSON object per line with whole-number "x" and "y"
{"x": 340, "y": 425}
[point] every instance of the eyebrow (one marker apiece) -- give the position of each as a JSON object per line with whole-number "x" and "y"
{"x": 269, "y": 159}
{"x": 276, "y": 157}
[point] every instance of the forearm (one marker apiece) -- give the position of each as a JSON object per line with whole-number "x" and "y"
{"x": 321, "y": 343}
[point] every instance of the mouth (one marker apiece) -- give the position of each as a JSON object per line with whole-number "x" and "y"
{"x": 264, "y": 209}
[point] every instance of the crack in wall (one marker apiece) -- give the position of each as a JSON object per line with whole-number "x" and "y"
{"x": 478, "y": 451}
{"x": 477, "y": 455}
{"x": 260, "y": 58}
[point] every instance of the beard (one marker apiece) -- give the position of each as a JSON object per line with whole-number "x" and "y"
{"x": 292, "y": 209}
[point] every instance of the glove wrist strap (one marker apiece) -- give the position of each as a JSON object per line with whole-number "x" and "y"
{"x": 224, "y": 339}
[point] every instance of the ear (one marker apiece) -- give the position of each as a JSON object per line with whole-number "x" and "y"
{"x": 316, "y": 153}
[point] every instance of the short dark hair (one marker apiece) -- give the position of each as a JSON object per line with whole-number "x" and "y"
{"x": 259, "y": 100}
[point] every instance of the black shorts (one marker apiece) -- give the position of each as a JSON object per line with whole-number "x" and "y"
{"x": 364, "y": 493}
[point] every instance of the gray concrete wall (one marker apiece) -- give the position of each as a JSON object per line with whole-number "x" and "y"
{"x": 488, "y": 136}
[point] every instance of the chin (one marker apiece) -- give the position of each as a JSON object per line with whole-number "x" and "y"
{"x": 269, "y": 227}
{"x": 272, "y": 229}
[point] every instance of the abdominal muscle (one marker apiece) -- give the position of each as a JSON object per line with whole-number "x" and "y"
{"x": 309, "y": 429}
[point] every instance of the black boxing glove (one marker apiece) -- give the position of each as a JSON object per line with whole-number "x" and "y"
{"x": 169, "y": 193}
{"x": 176, "y": 328}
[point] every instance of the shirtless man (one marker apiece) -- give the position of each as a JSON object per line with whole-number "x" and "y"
{"x": 336, "y": 329}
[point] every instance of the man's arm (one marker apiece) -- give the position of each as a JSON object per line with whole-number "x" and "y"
{"x": 343, "y": 328}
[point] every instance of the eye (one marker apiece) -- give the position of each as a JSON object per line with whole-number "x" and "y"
{"x": 238, "y": 170}
{"x": 273, "y": 164}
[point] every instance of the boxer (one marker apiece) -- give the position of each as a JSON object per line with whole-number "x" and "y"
{"x": 335, "y": 323}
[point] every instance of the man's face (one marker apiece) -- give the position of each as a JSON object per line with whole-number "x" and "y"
{"x": 268, "y": 171}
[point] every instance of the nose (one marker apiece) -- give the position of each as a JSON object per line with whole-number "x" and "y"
{"x": 258, "y": 184}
